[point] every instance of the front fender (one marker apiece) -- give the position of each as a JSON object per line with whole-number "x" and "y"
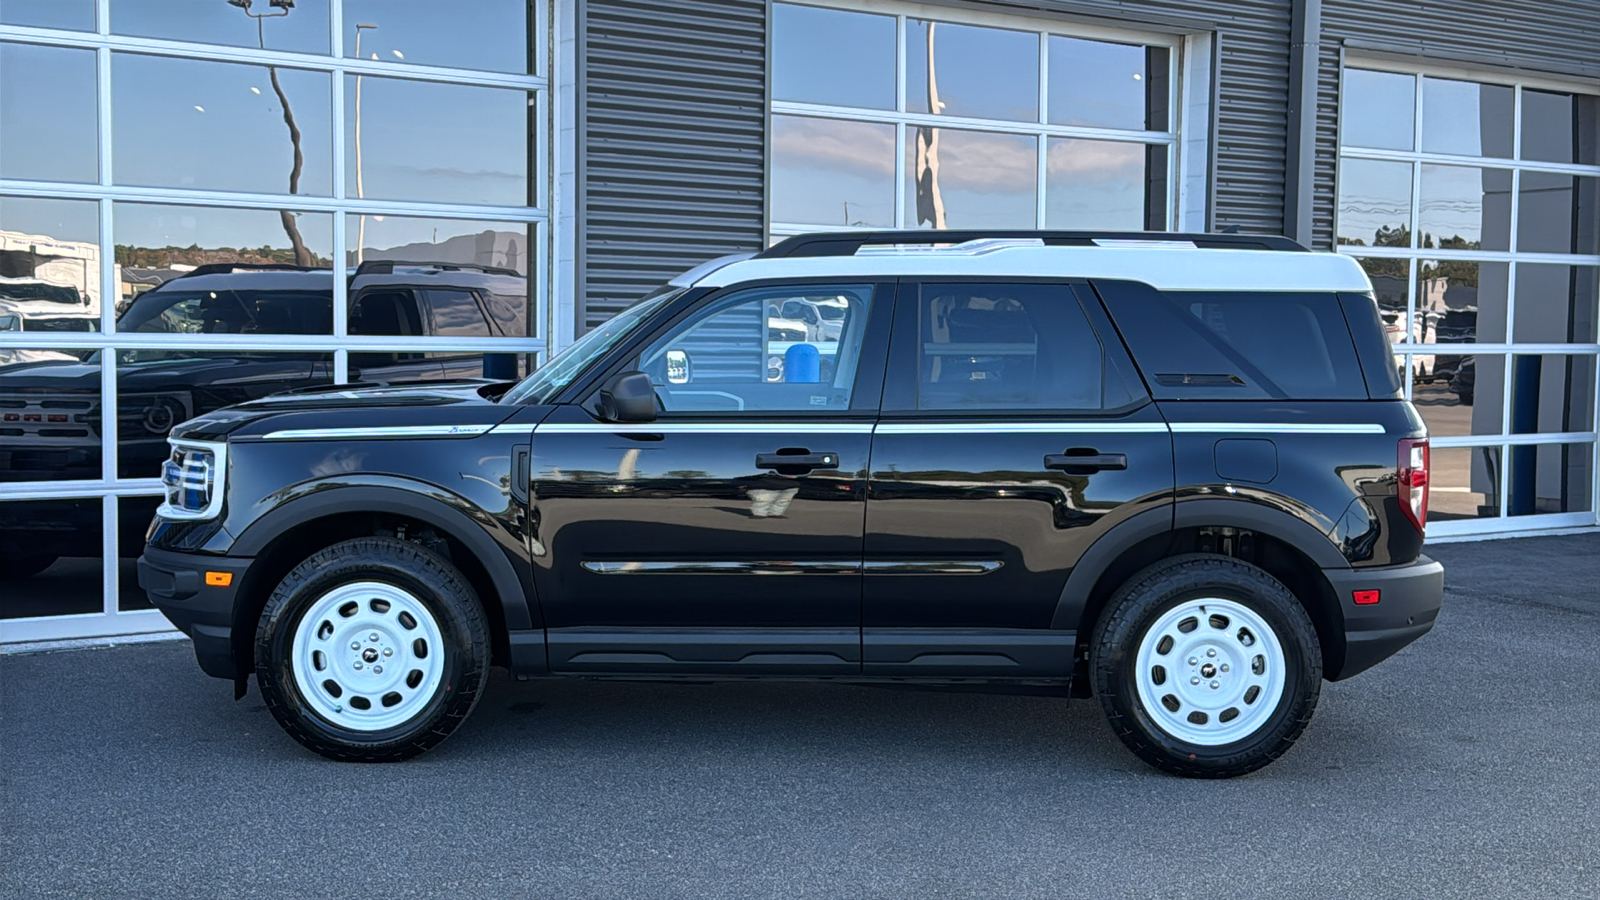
{"x": 482, "y": 534}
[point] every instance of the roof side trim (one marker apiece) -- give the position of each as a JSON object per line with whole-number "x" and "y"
{"x": 1177, "y": 268}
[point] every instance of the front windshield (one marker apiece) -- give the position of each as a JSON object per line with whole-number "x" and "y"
{"x": 550, "y": 378}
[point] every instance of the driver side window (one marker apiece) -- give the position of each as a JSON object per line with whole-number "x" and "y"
{"x": 786, "y": 349}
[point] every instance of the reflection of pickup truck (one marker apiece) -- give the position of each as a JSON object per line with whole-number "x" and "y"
{"x": 50, "y": 410}
{"x": 34, "y": 306}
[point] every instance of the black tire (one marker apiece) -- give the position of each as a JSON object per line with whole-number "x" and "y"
{"x": 26, "y": 566}
{"x": 1140, "y": 604}
{"x": 430, "y": 579}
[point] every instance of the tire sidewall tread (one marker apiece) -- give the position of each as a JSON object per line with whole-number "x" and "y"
{"x": 1157, "y": 588}
{"x": 429, "y": 577}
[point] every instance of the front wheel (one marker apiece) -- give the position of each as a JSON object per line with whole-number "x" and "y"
{"x": 372, "y": 650}
{"x": 1206, "y": 666}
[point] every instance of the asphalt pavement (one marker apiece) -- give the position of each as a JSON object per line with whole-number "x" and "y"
{"x": 1464, "y": 767}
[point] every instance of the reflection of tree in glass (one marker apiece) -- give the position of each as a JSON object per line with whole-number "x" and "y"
{"x": 1456, "y": 272}
{"x": 302, "y": 256}
{"x": 195, "y": 255}
{"x": 1385, "y": 236}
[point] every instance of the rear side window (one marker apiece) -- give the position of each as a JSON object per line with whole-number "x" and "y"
{"x": 1011, "y": 346}
{"x": 1237, "y": 345}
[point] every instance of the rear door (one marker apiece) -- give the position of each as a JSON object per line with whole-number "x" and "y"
{"x": 1014, "y": 433}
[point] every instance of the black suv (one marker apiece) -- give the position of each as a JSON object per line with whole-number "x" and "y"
{"x": 50, "y": 406}
{"x": 1173, "y": 471}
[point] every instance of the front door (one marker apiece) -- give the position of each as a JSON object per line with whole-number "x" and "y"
{"x": 727, "y": 535}
{"x": 1014, "y": 433}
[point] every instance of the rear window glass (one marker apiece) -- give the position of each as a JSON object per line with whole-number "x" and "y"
{"x": 1237, "y": 344}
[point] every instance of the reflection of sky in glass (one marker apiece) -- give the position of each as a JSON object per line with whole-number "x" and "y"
{"x": 1376, "y": 109}
{"x": 1373, "y": 194}
{"x": 47, "y": 113}
{"x": 304, "y": 29}
{"x": 831, "y": 172}
{"x": 64, "y": 220}
{"x": 1094, "y": 185}
{"x": 76, "y": 15}
{"x": 217, "y": 126}
{"x": 464, "y": 34}
{"x": 982, "y": 72}
{"x": 1468, "y": 203}
{"x": 1096, "y": 83}
{"x": 437, "y": 142}
{"x": 1466, "y": 118}
{"x": 155, "y": 226}
{"x": 987, "y": 180}
{"x": 831, "y": 56}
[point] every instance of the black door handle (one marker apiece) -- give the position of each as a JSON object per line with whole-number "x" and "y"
{"x": 797, "y": 460}
{"x": 1074, "y": 464}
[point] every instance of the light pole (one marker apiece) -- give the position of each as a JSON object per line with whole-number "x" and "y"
{"x": 361, "y": 221}
{"x": 302, "y": 256}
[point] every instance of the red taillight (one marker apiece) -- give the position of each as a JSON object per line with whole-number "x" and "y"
{"x": 1414, "y": 481}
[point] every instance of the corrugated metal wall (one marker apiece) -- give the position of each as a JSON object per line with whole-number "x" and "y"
{"x": 671, "y": 125}
{"x": 1550, "y": 38}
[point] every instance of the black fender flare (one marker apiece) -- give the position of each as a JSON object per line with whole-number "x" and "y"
{"x": 447, "y": 512}
{"x": 1187, "y": 513}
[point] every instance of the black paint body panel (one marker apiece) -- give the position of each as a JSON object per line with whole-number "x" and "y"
{"x": 934, "y": 548}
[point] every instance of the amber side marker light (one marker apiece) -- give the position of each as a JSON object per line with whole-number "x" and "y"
{"x": 1364, "y": 598}
{"x": 223, "y": 579}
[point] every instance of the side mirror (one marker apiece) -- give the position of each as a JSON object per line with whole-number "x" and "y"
{"x": 629, "y": 397}
{"x": 677, "y": 367}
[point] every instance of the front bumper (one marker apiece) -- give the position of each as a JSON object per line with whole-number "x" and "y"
{"x": 176, "y": 585}
{"x": 1409, "y": 601}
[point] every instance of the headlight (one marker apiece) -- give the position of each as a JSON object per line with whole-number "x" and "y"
{"x": 194, "y": 476}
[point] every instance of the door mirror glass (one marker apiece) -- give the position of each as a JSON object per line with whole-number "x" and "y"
{"x": 677, "y": 367}
{"x": 629, "y": 397}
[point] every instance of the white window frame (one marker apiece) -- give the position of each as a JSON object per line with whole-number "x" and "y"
{"x": 1188, "y": 141}
{"x": 112, "y": 620}
{"x": 1504, "y": 441}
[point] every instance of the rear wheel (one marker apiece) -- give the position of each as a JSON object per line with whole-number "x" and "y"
{"x": 372, "y": 650}
{"x": 1206, "y": 666}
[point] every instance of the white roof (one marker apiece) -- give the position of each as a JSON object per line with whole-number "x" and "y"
{"x": 1166, "y": 265}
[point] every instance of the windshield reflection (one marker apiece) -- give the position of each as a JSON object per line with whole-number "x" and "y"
{"x": 565, "y": 366}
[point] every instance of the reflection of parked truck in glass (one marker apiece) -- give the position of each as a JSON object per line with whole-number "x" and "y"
{"x": 50, "y": 400}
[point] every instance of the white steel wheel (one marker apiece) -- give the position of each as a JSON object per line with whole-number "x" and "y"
{"x": 1210, "y": 672}
{"x": 367, "y": 656}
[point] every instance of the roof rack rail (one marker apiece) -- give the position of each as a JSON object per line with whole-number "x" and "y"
{"x": 225, "y": 268}
{"x": 846, "y": 243}
{"x": 387, "y": 267}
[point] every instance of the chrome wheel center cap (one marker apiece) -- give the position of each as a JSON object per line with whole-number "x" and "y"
{"x": 1206, "y": 671}
{"x": 371, "y": 655}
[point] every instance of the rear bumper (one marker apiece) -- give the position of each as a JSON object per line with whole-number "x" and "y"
{"x": 1409, "y": 601}
{"x": 176, "y": 585}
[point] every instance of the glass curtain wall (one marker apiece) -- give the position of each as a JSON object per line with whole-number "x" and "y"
{"x": 207, "y": 201}
{"x": 886, "y": 120}
{"x": 1474, "y": 205}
